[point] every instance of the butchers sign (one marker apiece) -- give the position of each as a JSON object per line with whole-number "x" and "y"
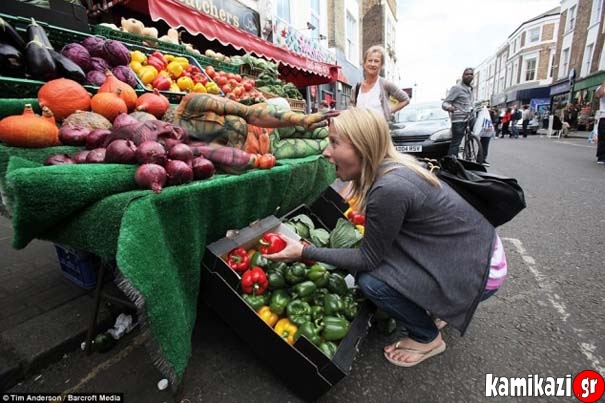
{"x": 228, "y": 11}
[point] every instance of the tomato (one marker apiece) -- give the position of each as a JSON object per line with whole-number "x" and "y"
{"x": 266, "y": 161}
{"x": 226, "y": 89}
{"x": 247, "y": 86}
{"x": 238, "y": 91}
{"x": 237, "y": 78}
{"x": 210, "y": 71}
{"x": 232, "y": 81}
{"x": 230, "y": 75}
{"x": 220, "y": 80}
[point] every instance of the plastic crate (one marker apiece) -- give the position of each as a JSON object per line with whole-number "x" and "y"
{"x": 130, "y": 38}
{"x": 12, "y": 87}
{"x": 78, "y": 267}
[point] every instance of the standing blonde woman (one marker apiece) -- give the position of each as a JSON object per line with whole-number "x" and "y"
{"x": 374, "y": 92}
{"x": 425, "y": 249}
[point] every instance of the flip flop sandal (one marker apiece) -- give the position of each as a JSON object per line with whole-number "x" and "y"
{"x": 395, "y": 347}
{"x": 440, "y": 324}
{"x": 423, "y": 355}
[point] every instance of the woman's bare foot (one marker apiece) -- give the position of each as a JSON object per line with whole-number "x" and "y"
{"x": 407, "y": 352}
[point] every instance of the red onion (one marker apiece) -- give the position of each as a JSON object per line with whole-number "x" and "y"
{"x": 123, "y": 119}
{"x": 151, "y": 152}
{"x": 178, "y": 172}
{"x": 73, "y": 135}
{"x": 96, "y": 156}
{"x": 120, "y": 152}
{"x": 151, "y": 176}
{"x": 96, "y": 138}
{"x": 181, "y": 152}
{"x": 202, "y": 168}
{"x": 58, "y": 159}
{"x": 168, "y": 142}
{"x": 80, "y": 156}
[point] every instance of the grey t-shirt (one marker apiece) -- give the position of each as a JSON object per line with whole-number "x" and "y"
{"x": 426, "y": 242}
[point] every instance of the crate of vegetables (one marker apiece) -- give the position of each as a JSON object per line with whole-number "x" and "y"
{"x": 301, "y": 318}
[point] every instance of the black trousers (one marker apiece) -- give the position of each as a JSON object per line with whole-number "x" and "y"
{"x": 601, "y": 140}
{"x": 485, "y": 146}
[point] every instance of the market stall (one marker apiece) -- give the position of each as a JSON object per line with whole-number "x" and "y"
{"x": 158, "y": 240}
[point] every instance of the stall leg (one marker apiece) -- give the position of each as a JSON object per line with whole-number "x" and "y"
{"x": 92, "y": 324}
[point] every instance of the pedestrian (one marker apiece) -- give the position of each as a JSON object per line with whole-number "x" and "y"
{"x": 506, "y": 119}
{"x": 425, "y": 250}
{"x": 494, "y": 115}
{"x": 484, "y": 128}
{"x": 459, "y": 103}
{"x": 527, "y": 116}
{"x": 374, "y": 91}
{"x": 600, "y": 93}
{"x": 324, "y": 107}
{"x": 517, "y": 115}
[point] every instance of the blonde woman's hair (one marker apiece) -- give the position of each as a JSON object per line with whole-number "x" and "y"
{"x": 368, "y": 132}
{"x": 375, "y": 49}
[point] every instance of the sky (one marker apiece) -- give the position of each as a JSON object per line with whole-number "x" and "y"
{"x": 437, "y": 39}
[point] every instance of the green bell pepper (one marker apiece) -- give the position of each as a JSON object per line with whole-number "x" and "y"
{"x": 256, "y": 301}
{"x": 310, "y": 331}
{"x": 317, "y": 313}
{"x": 296, "y": 273}
{"x": 333, "y": 305}
{"x": 299, "y": 312}
{"x": 257, "y": 259}
{"x": 318, "y": 297}
{"x": 279, "y": 301}
{"x": 337, "y": 284}
{"x": 279, "y": 267}
{"x": 318, "y": 274}
{"x": 276, "y": 280}
{"x": 334, "y": 328}
{"x": 304, "y": 290}
{"x": 351, "y": 307}
{"x": 328, "y": 348}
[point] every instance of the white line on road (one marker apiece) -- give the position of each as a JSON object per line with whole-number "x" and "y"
{"x": 575, "y": 145}
{"x": 587, "y": 349}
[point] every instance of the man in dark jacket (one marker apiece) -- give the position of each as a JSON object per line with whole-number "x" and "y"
{"x": 459, "y": 103}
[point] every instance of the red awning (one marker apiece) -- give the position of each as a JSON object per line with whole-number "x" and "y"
{"x": 297, "y": 69}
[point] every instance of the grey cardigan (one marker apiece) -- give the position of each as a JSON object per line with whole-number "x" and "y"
{"x": 387, "y": 89}
{"x": 426, "y": 242}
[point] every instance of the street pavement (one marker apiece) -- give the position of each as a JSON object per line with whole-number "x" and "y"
{"x": 547, "y": 320}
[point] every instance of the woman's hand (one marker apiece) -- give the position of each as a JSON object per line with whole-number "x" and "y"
{"x": 292, "y": 251}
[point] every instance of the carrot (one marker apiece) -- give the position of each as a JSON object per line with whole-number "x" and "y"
{"x": 252, "y": 145}
{"x": 264, "y": 143}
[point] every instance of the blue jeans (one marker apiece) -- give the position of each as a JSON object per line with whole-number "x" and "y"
{"x": 415, "y": 319}
{"x": 514, "y": 129}
{"x": 457, "y": 135}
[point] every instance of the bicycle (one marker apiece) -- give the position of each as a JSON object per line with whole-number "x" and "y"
{"x": 470, "y": 147}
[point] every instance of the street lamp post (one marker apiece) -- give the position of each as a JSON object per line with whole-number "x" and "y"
{"x": 415, "y": 93}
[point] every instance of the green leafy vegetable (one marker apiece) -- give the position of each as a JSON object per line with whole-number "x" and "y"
{"x": 319, "y": 237}
{"x": 345, "y": 235}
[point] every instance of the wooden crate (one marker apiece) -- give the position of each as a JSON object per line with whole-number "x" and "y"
{"x": 296, "y": 105}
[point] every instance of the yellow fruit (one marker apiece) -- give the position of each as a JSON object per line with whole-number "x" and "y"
{"x": 185, "y": 83}
{"x": 135, "y": 66}
{"x": 199, "y": 87}
{"x": 138, "y": 56}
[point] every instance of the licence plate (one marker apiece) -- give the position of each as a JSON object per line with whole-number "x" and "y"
{"x": 409, "y": 149}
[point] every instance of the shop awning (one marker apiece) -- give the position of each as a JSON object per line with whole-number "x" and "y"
{"x": 294, "y": 68}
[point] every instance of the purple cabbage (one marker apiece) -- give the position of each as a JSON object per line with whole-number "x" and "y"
{"x": 125, "y": 74}
{"x": 116, "y": 53}
{"x": 77, "y": 54}
{"x": 96, "y": 77}
{"x": 99, "y": 64}
{"x": 94, "y": 45}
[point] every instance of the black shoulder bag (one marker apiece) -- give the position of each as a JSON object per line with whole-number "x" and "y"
{"x": 497, "y": 197}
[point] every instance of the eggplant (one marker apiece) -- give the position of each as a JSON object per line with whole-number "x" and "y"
{"x": 11, "y": 61}
{"x": 9, "y": 34}
{"x": 36, "y": 32}
{"x": 40, "y": 63}
{"x": 67, "y": 68}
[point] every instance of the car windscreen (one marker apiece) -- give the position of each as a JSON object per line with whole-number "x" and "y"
{"x": 421, "y": 114}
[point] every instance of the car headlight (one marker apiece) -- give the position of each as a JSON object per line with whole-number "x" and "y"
{"x": 441, "y": 135}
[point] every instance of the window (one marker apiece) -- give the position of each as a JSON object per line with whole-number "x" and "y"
{"x": 588, "y": 58}
{"x": 534, "y": 35}
{"x": 571, "y": 18}
{"x": 564, "y": 63}
{"x": 283, "y": 10}
{"x": 552, "y": 66}
{"x": 530, "y": 69}
{"x": 314, "y": 19}
{"x": 597, "y": 6}
{"x": 351, "y": 32}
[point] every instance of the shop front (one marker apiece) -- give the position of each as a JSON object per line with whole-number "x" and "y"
{"x": 499, "y": 100}
{"x": 585, "y": 100}
{"x": 559, "y": 96}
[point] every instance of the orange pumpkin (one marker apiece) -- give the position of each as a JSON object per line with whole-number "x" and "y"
{"x": 154, "y": 103}
{"x": 127, "y": 93}
{"x": 108, "y": 104}
{"x": 29, "y": 129}
{"x": 63, "y": 97}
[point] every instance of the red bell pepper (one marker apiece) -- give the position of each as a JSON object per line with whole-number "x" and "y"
{"x": 356, "y": 217}
{"x": 161, "y": 83}
{"x": 238, "y": 260}
{"x": 271, "y": 243}
{"x": 254, "y": 281}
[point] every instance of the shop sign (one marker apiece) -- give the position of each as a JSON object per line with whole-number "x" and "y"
{"x": 228, "y": 11}
{"x": 560, "y": 88}
{"x": 289, "y": 37}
